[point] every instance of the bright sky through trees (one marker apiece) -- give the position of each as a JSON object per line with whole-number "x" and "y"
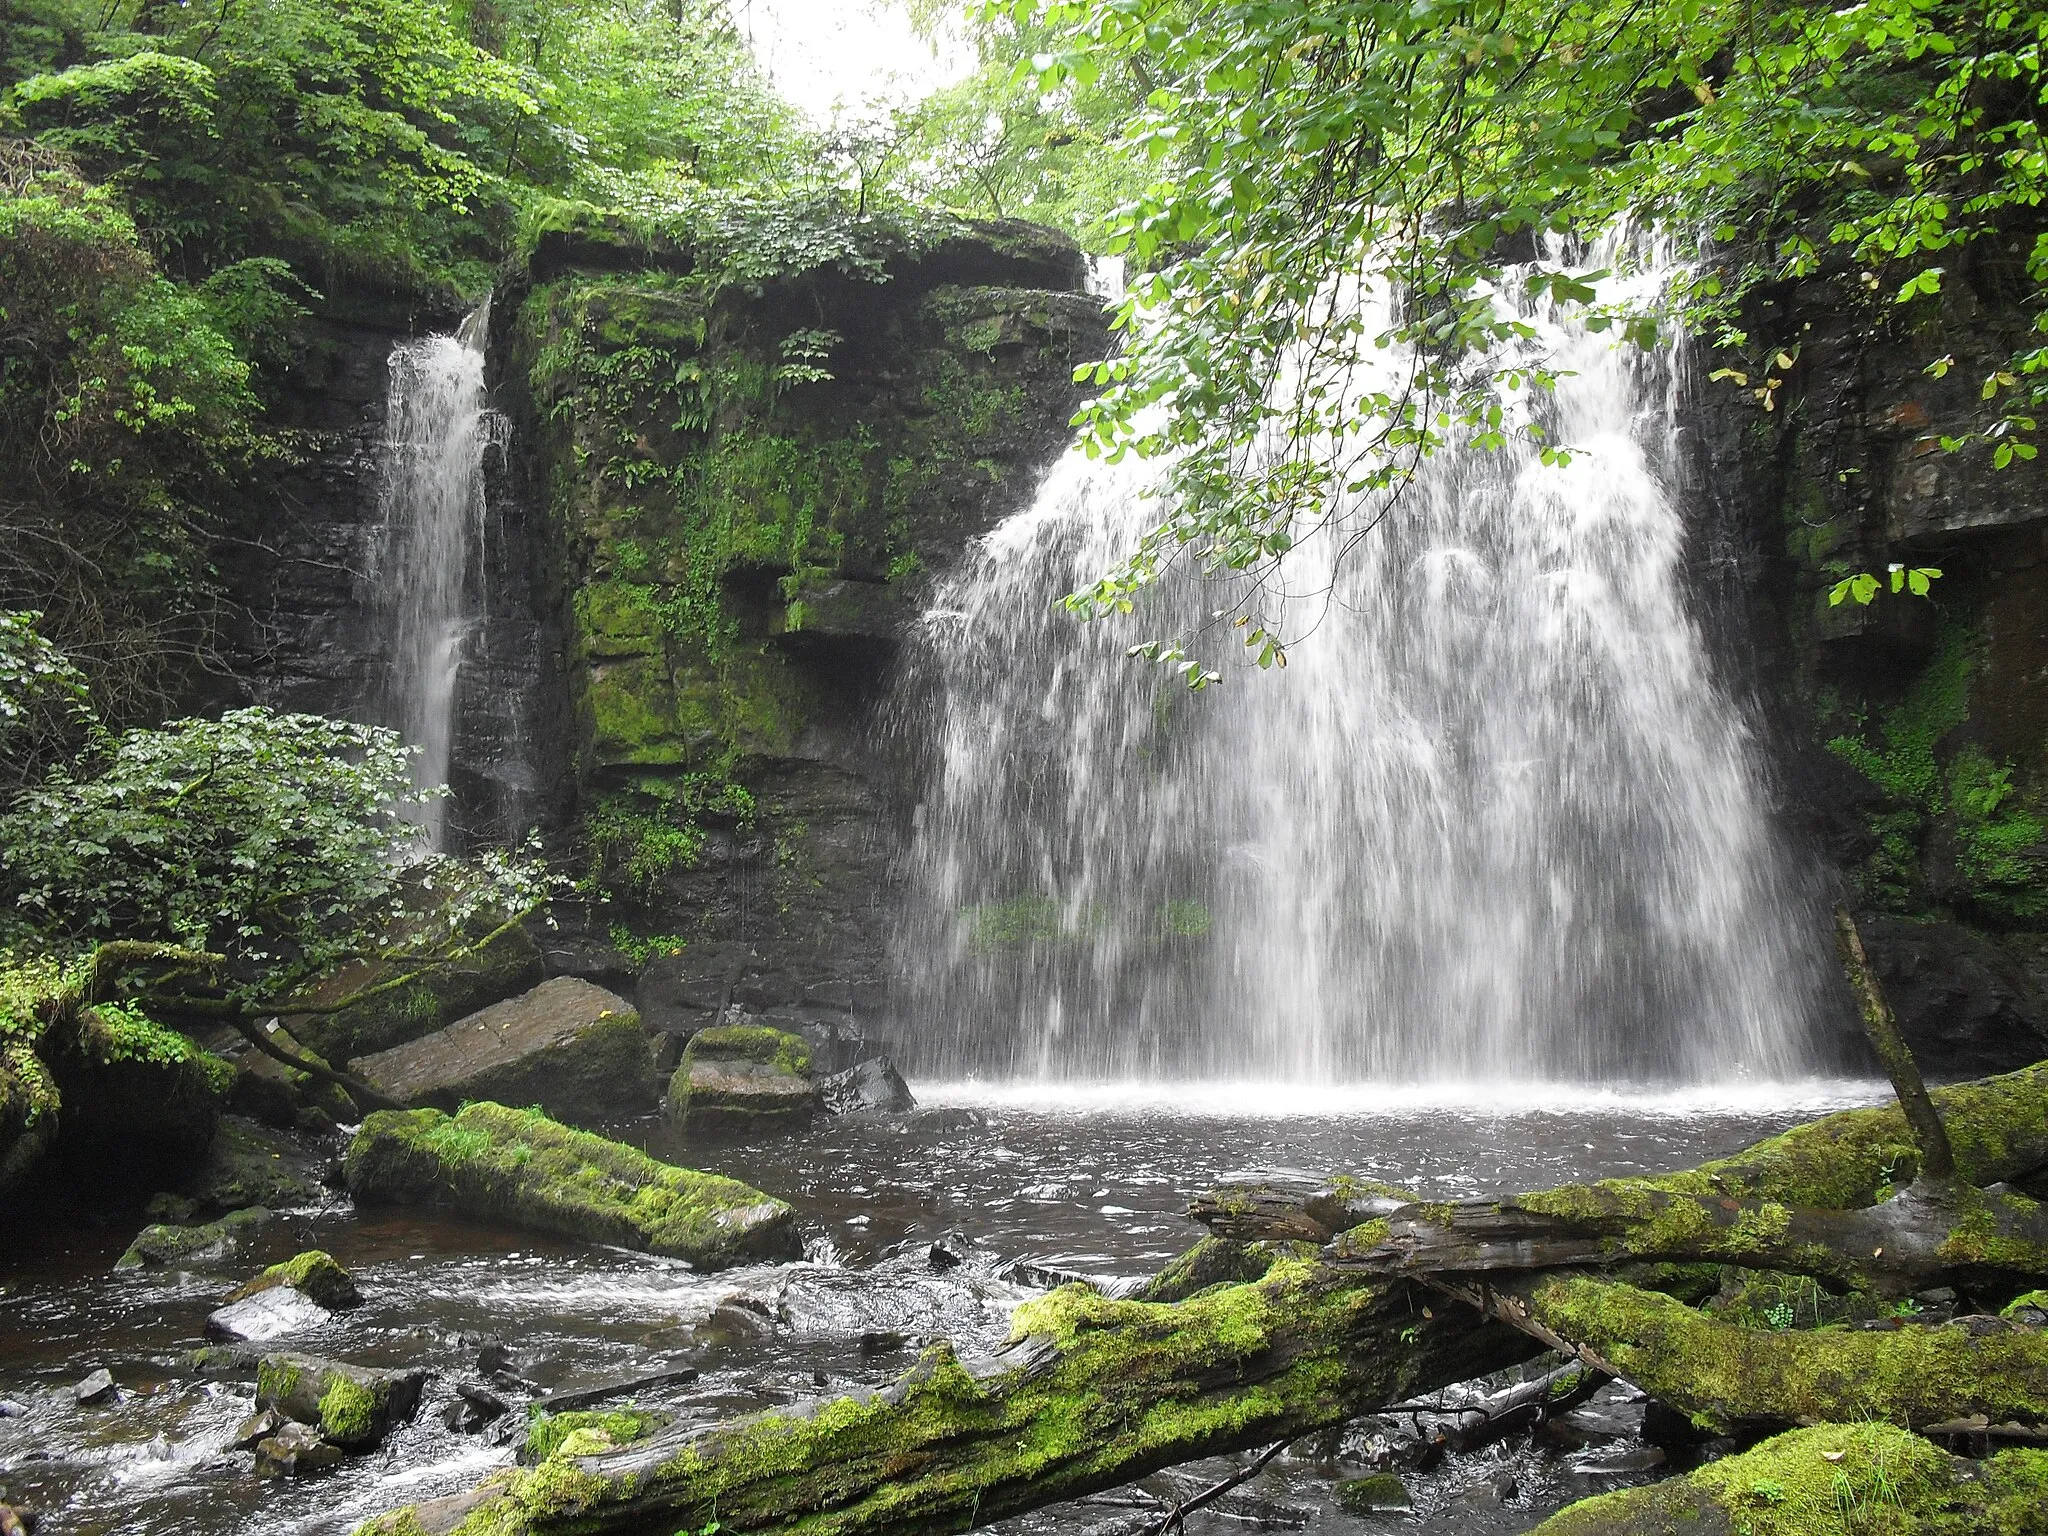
{"x": 827, "y": 55}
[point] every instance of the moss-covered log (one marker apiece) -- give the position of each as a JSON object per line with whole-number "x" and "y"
{"x": 1833, "y": 1480}
{"x": 1931, "y": 1233}
{"x": 1092, "y": 1393}
{"x": 1726, "y": 1376}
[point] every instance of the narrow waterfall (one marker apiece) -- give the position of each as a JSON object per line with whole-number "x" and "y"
{"x": 431, "y": 489}
{"x": 1496, "y": 819}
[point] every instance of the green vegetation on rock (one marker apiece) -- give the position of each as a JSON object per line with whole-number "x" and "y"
{"x": 549, "y": 1433}
{"x": 314, "y": 1274}
{"x": 520, "y": 1167}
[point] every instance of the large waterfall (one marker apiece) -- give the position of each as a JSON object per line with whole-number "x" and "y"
{"x": 1497, "y": 818}
{"x": 431, "y": 490}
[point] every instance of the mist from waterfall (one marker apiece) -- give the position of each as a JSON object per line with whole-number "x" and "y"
{"x": 1496, "y": 819}
{"x": 431, "y": 497}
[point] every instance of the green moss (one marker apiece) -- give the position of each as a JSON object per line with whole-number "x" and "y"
{"x": 520, "y": 1166}
{"x": 314, "y": 1274}
{"x": 1907, "y": 1376}
{"x": 777, "y": 1048}
{"x": 348, "y": 1412}
{"x": 546, "y": 1433}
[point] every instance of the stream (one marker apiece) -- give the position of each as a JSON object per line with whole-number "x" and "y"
{"x": 1079, "y": 1183}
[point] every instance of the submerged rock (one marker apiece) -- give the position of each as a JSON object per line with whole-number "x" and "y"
{"x": 271, "y": 1314}
{"x": 353, "y": 1405}
{"x": 521, "y": 1167}
{"x": 874, "y": 1085}
{"x": 1382, "y": 1493}
{"x": 574, "y": 1049}
{"x": 474, "y": 1407}
{"x": 313, "y": 1274}
{"x": 160, "y": 1247}
{"x": 295, "y": 1451}
{"x": 742, "y": 1080}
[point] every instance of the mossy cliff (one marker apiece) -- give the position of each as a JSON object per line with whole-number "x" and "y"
{"x": 739, "y": 484}
{"x": 1913, "y": 731}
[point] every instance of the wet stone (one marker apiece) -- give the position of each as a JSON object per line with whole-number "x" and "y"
{"x": 1381, "y": 1493}
{"x": 950, "y": 1251}
{"x": 475, "y": 1406}
{"x": 97, "y": 1388}
{"x": 159, "y": 1247}
{"x": 260, "y": 1425}
{"x": 269, "y": 1314}
{"x": 10, "y": 1409}
{"x": 313, "y": 1274}
{"x": 295, "y": 1451}
{"x": 873, "y": 1085}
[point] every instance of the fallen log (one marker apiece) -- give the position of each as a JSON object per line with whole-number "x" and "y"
{"x": 1466, "y": 1426}
{"x": 1092, "y": 1393}
{"x": 1309, "y": 1211}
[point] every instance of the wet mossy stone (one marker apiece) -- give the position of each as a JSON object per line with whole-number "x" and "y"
{"x": 502, "y": 964}
{"x": 518, "y": 1166}
{"x": 1382, "y": 1493}
{"x": 1829, "y": 1480}
{"x": 571, "y": 1047}
{"x": 743, "y": 1080}
{"x": 351, "y": 1405}
{"x": 250, "y": 1164}
{"x": 314, "y": 1274}
{"x": 548, "y": 1433}
{"x": 166, "y": 1247}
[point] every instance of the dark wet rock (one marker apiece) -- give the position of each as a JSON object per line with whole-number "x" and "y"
{"x": 493, "y": 1355}
{"x": 268, "y": 1090}
{"x": 313, "y": 1274}
{"x": 589, "y": 1394}
{"x": 433, "y": 996}
{"x": 160, "y": 1247}
{"x": 741, "y": 1081}
{"x": 161, "y": 1102}
{"x": 295, "y": 1451}
{"x": 250, "y": 1164}
{"x": 574, "y": 1049}
{"x": 1965, "y": 1006}
{"x": 273, "y": 1314}
{"x": 1495, "y": 1491}
{"x": 473, "y": 1407}
{"x": 97, "y": 1388}
{"x": 878, "y": 1342}
{"x": 950, "y": 1251}
{"x": 260, "y": 1425}
{"x": 224, "y": 1362}
{"x": 943, "y": 1119}
{"x": 521, "y": 1167}
{"x": 353, "y": 1405}
{"x": 1617, "y": 1460}
{"x": 873, "y": 1085}
{"x": 171, "y": 1210}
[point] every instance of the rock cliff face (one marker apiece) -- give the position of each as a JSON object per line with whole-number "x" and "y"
{"x": 1911, "y": 731}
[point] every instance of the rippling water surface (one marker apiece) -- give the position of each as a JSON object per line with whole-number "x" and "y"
{"x": 1088, "y": 1182}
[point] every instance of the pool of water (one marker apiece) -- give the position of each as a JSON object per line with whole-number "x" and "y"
{"x": 1089, "y": 1182}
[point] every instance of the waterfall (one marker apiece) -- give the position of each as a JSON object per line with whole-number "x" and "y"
{"x": 1496, "y": 819}
{"x": 431, "y": 494}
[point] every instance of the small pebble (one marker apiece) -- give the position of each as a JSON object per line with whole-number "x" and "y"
{"x": 96, "y": 1388}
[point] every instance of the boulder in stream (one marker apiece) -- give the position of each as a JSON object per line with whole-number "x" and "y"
{"x": 271, "y": 1314}
{"x": 519, "y": 1166}
{"x": 161, "y": 1247}
{"x": 741, "y": 1080}
{"x": 574, "y": 1049}
{"x": 352, "y": 1405}
{"x": 97, "y": 1388}
{"x": 380, "y": 1003}
{"x": 873, "y": 1085}
{"x": 250, "y": 1164}
{"x": 295, "y": 1451}
{"x": 313, "y": 1274}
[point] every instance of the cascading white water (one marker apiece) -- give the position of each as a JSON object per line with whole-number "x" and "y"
{"x": 431, "y": 494}
{"x": 1496, "y": 819}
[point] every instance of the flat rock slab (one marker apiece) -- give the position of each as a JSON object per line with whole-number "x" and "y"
{"x": 743, "y": 1080}
{"x": 574, "y": 1049}
{"x": 518, "y": 1166}
{"x": 270, "y": 1314}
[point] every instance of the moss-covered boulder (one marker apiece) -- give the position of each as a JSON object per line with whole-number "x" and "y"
{"x": 572, "y": 1048}
{"x": 313, "y": 1274}
{"x": 1830, "y": 1480}
{"x": 251, "y": 1164}
{"x": 743, "y": 1080}
{"x": 353, "y": 1406}
{"x": 600, "y": 1429}
{"x": 518, "y": 1166}
{"x": 129, "y": 1085}
{"x": 386, "y": 1002}
{"x": 163, "y": 1246}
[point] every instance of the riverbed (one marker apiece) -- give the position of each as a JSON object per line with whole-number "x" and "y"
{"x": 1023, "y": 1185}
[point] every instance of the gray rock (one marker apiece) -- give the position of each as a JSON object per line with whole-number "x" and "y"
{"x": 950, "y": 1251}
{"x": 224, "y": 1362}
{"x": 260, "y": 1425}
{"x": 172, "y": 1210}
{"x": 742, "y": 1081}
{"x": 1382, "y": 1493}
{"x": 97, "y": 1388}
{"x": 873, "y": 1085}
{"x": 353, "y": 1405}
{"x": 161, "y": 1247}
{"x": 475, "y": 1406}
{"x": 269, "y": 1314}
{"x": 295, "y": 1451}
{"x": 250, "y": 1164}
{"x": 574, "y": 1049}
{"x": 10, "y": 1409}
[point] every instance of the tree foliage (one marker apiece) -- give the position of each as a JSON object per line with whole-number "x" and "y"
{"x": 1305, "y": 153}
